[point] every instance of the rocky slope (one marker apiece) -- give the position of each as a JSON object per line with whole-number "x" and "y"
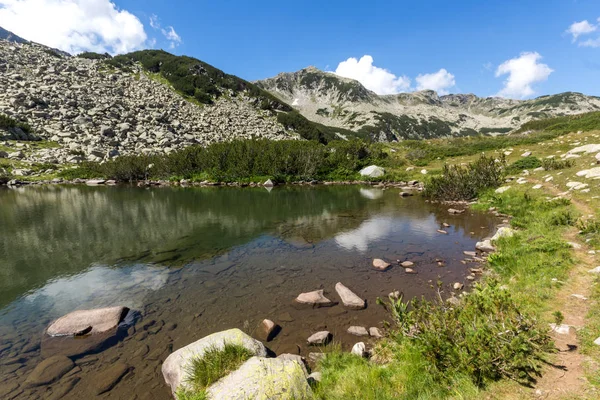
{"x": 92, "y": 111}
{"x": 11, "y": 37}
{"x": 332, "y": 100}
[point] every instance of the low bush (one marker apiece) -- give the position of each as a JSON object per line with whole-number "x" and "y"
{"x": 243, "y": 160}
{"x": 550, "y": 164}
{"x": 7, "y": 122}
{"x": 530, "y": 162}
{"x": 486, "y": 337}
{"x": 465, "y": 182}
{"x": 565, "y": 124}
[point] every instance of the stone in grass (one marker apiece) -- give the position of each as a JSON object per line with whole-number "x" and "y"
{"x": 268, "y": 330}
{"x": 375, "y": 332}
{"x": 263, "y": 378}
{"x": 358, "y": 331}
{"x": 562, "y": 329}
{"x": 595, "y": 270}
{"x": 175, "y": 368}
{"x": 319, "y": 339}
{"x": 315, "y": 299}
{"x": 359, "y": 349}
{"x": 597, "y": 342}
{"x": 381, "y": 265}
{"x": 349, "y": 298}
{"x": 49, "y": 371}
{"x": 485, "y": 245}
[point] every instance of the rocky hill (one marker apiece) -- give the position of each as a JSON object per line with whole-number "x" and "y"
{"x": 11, "y": 37}
{"x": 328, "y": 99}
{"x": 92, "y": 110}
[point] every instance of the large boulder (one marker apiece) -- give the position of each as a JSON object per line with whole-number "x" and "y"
{"x": 263, "y": 378}
{"x": 349, "y": 298}
{"x": 175, "y": 369}
{"x": 372, "y": 171}
{"x": 588, "y": 148}
{"x": 81, "y": 322}
{"x": 502, "y": 232}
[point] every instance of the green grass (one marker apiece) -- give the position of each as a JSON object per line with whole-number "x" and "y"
{"x": 212, "y": 366}
{"x": 562, "y": 125}
{"x": 7, "y": 122}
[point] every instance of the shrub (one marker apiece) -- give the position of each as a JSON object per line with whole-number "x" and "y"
{"x": 530, "y": 162}
{"x": 94, "y": 56}
{"x": 486, "y": 337}
{"x": 550, "y": 164}
{"x": 7, "y": 122}
{"x": 566, "y": 124}
{"x": 563, "y": 218}
{"x": 465, "y": 182}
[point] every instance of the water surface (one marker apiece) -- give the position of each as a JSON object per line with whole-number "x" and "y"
{"x": 199, "y": 260}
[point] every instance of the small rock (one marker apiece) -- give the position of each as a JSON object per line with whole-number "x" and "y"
{"x": 268, "y": 183}
{"x": 454, "y": 211}
{"x": 268, "y": 330}
{"x": 319, "y": 338}
{"x": 375, "y": 332}
{"x": 358, "y": 331}
{"x": 349, "y": 298}
{"x": 48, "y": 371}
{"x": 597, "y": 342}
{"x": 458, "y": 286}
{"x": 359, "y": 349}
{"x": 502, "y": 189}
{"x": 470, "y": 253}
{"x": 526, "y": 154}
{"x": 562, "y": 329}
{"x": 380, "y": 265}
{"x": 485, "y": 245}
{"x": 405, "y": 194}
{"x": 579, "y": 296}
{"x": 316, "y": 299}
{"x": 595, "y": 270}
{"x": 314, "y": 377}
{"x": 442, "y": 231}
{"x": 407, "y": 264}
{"x": 410, "y": 271}
{"x": 105, "y": 380}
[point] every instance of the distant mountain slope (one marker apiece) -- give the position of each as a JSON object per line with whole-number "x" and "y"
{"x": 11, "y": 37}
{"x": 332, "y": 100}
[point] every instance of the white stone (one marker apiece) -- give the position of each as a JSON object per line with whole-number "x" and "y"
{"x": 595, "y": 270}
{"x": 359, "y": 349}
{"x": 316, "y": 299}
{"x": 319, "y": 338}
{"x": 263, "y": 378}
{"x": 503, "y": 232}
{"x": 538, "y": 186}
{"x": 372, "y": 171}
{"x": 562, "y": 329}
{"x": 587, "y": 149}
{"x": 502, "y": 189}
{"x": 349, "y": 298}
{"x": 99, "y": 320}
{"x": 485, "y": 245}
{"x": 358, "y": 331}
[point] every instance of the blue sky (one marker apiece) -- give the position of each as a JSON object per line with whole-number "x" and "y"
{"x": 468, "y": 40}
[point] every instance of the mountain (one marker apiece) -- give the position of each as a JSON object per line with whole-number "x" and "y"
{"x": 329, "y": 99}
{"x": 94, "y": 107}
{"x": 11, "y": 37}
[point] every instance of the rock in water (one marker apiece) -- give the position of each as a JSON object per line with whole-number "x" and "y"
{"x": 454, "y": 211}
{"x": 77, "y": 322}
{"x": 407, "y": 264}
{"x": 48, "y": 371}
{"x": 263, "y": 378}
{"x": 268, "y": 183}
{"x": 268, "y": 330}
{"x": 380, "y": 265}
{"x": 315, "y": 299}
{"x": 485, "y": 245}
{"x": 108, "y": 379}
{"x": 375, "y": 332}
{"x": 175, "y": 369}
{"x": 359, "y": 349}
{"x": 358, "y": 331}
{"x": 372, "y": 171}
{"x": 319, "y": 338}
{"x": 348, "y": 297}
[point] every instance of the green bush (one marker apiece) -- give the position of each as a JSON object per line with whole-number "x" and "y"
{"x": 566, "y": 124}
{"x": 530, "y": 162}
{"x": 243, "y": 160}
{"x": 550, "y": 164}
{"x": 94, "y": 56}
{"x": 7, "y": 122}
{"x": 486, "y": 337}
{"x": 465, "y": 182}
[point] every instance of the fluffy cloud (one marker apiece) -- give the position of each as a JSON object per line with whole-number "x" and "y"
{"x": 590, "y": 43}
{"x": 522, "y": 72}
{"x": 581, "y": 28}
{"x": 379, "y": 80}
{"x": 439, "y": 81}
{"x": 169, "y": 32}
{"x": 74, "y": 25}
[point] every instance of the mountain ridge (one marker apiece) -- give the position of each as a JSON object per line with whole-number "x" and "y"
{"x": 326, "y": 98}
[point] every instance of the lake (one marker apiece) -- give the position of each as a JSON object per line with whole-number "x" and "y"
{"x": 194, "y": 261}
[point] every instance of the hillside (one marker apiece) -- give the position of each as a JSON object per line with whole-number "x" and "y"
{"x": 328, "y": 99}
{"x": 11, "y": 37}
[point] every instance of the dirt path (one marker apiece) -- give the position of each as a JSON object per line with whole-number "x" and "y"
{"x": 566, "y": 379}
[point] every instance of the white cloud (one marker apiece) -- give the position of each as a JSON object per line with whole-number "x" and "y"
{"x": 522, "y": 72}
{"x": 379, "y": 80}
{"x": 439, "y": 81}
{"x": 581, "y": 28}
{"x": 74, "y": 25}
{"x": 169, "y": 32}
{"x": 590, "y": 43}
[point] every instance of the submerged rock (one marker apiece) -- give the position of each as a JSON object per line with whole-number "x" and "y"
{"x": 315, "y": 299}
{"x": 358, "y": 331}
{"x": 88, "y": 321}
{"x": 48, "y": 371}
{"x": 105, "y": 380}
{"x": 349, "y": 298}
{"x": 175, "y": 369}
{"x": 268, "y": 330}
{"x": 454, "y": 211}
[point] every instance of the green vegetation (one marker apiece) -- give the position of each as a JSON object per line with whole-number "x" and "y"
{"x": 465, "y": 182}
{"x": 528, "y": 163}
{"x": 495, "y": 332}
{"x": 94, "y": 56}
{"x": 562, "y": 125}
{"x": 551, "y": 164}
{"x": 244, "y": 161}
{"x": 7, "y": 122}
{"x": 404, "y": 127}
{"x": 494, "y": 130}
{"x": 293, "y": 120}
{"x": 212, "y": 366}
{"x": 348, "y": 90}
